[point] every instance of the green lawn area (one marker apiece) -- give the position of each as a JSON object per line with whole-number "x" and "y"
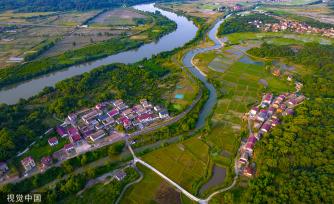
{"x": 42, "y": 147}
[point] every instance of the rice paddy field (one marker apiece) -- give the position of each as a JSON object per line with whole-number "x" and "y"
{"x": 201, "y": 8}
{"x": 118, "y": 17}
{"x": 185, "y": 163}
{"x": 23, "y": 33}
{"x": 293, "y": 2}
{"x": 153, "y": 189}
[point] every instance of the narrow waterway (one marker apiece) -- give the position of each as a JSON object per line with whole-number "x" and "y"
{"x": 187, "y": 61}
{"x": 186, "y": 31}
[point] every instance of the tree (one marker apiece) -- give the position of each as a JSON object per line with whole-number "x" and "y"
{"x": 116, "y": 149}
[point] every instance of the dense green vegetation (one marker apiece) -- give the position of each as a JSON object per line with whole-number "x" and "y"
{"x": 61, "y": 5}
{"x": 91, "y": 52}
{"x": 103, "y": 193}
{"x": 295, "y": 161}
{"x": 317, "y": 58}
{"x": 237, "y": 24}
{"x": 67, "y": 167}
{"x": 67, "y": 188}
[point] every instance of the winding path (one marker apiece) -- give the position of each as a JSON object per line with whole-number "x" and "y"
{"x": 141, "y": 176}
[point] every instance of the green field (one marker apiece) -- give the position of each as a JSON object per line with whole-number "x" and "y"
{"x": 152, "y": 189}
{"x": 278, "y": 38}
{"x": 185, "y": 163}
{"x": 239, "y": 88}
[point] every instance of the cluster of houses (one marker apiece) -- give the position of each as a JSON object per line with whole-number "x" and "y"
{"x": 262, "y": 119}
{"x": 90, "y": 125}
{"x": 294, "y": 26}
{"x": 291, "y": 26}
{"x": 96, "y": 122}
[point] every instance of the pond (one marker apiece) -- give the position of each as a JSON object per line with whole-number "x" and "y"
{"x": 247, "y": 60}
{"x": 218, "y": 177}
{"x": 283, "y": 66}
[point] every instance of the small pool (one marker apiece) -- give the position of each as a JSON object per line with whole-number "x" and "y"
{"x": 247, "y": 60}
{"x": 179, "y": 96}
{"x": 179, "y": 87}
{"x": 218, "y": 177}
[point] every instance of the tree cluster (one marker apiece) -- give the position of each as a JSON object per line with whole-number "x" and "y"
{"x": 238, "y": 24}
{"x": 295, "y": 162}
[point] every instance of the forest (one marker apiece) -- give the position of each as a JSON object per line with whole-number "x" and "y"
{"x": 64, "y": 5}
{"x": 239, "y": 23}
{"x": 295, "y": 161}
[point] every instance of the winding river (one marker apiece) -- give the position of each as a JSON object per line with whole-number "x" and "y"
{"x": 187, "y": 61}
{"x": 186, "y": 31}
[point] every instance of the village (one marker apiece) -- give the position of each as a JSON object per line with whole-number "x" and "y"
{"x": 292, "y": 26}
{"x": 88, "y": 129}
{"x": 262, "y": 119}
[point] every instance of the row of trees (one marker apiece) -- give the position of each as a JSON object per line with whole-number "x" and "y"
{"x": 45, "y": 45}
{"x": 295, "y": 161}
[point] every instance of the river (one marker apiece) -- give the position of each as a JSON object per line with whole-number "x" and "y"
{"x": 186, "y": 31}
{"x": 187, "y": 61}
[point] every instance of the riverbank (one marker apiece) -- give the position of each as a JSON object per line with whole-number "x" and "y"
{"x": 11, "y": 95}
{"x": 162, "y": 26}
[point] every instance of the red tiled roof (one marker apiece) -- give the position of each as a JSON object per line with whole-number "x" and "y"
{"x": 113, "y": 112}
{"x": 250, "y": 145}
{"x": 75, "y": 137}
{"x": 61, "y": 130}
{"x": 52, "y": 140}
{"x": 144, "y": 116}
{"x": 68, "y": 146}
{"x": 27, "y": 160}
{"x": 46, "y": 160}
{"x": 266, "y": 126}
{"x": 72, "y": 131}
{"x": 251, "y": 139}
